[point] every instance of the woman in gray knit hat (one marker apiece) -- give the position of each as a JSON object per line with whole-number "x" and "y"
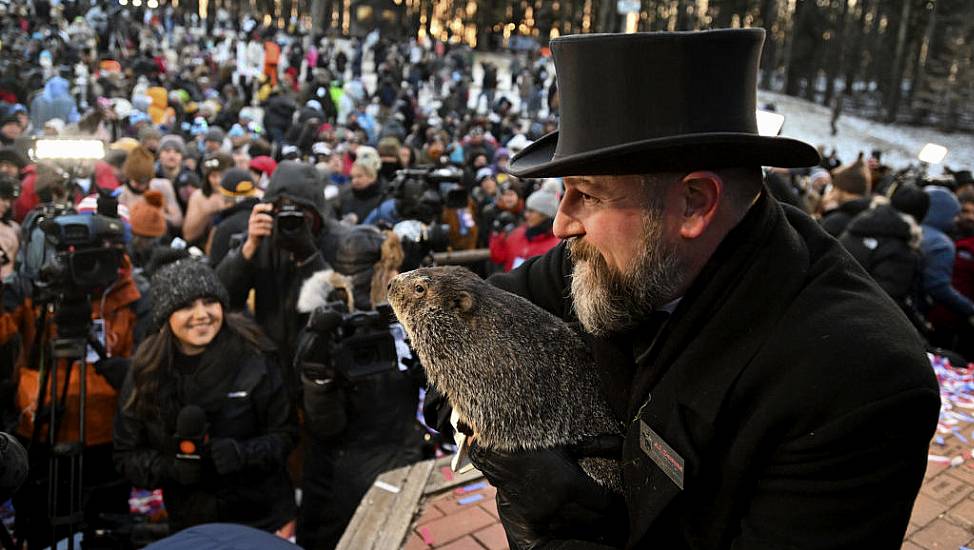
{"x": 216, "y": 371}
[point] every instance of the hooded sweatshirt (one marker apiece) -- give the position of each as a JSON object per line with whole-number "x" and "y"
{"x": 275, "y": 277}
{"x": 939, "y": 252}
{"x": 54, "y": 102}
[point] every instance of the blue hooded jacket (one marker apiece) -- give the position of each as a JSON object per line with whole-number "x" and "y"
{"x": 54, "y": 102}
{"x": 939, "y": 252}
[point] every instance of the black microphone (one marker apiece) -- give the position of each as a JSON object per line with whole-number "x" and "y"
{"x": 191, "y": 428}
{"x": 13, "y": 465}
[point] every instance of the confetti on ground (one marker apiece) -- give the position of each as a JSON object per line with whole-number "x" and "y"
{"x": 956, "y": 392}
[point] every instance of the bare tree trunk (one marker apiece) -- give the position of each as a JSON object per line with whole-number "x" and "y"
{"x": 895, "y": 85}
{"x": 768, "y": 14}
{"x": 854, "y": 51}
{"x": 834, "y": 66}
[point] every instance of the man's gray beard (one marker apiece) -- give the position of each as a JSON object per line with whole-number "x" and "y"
{"x": 606, "y": 300}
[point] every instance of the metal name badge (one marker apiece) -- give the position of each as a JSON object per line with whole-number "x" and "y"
{"x": 662, "y": 454}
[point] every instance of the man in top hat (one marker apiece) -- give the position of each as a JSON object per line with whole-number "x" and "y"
{"x": 769, "y": 395}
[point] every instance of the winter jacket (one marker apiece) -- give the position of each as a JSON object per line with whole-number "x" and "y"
{"x": 792, "y": 391}
{"x": 360, "y": 202}
{"x": 28, "y": 198}
{"x": 886, "y": 243}
{"x": 116, "y": 308}
{"x": 939, "y": 253}
{"x": 278, "y": 113}
{"x": 511, "y": 250}
{"x": 273, "y": 275}
{"x": 232, "y": 221}
{"x": 54, "y": 102}
{"x": 242, "y": 393}
{"x": 835, "y": 221}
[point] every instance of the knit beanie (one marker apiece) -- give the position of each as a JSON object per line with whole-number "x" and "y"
{"x": 140, "y": 165}
{"x": 179, "y": 284}
{"x": 149, "y": 132}
{"x": 544, "y": 202}
{"x": 172, "y": 141}
{"x": 215, "y": 133}
{"x": 146, "y": 215}
{"x": 853, "y": 178}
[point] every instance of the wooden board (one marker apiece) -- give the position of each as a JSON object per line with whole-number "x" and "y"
{"x": 383, "y": 517}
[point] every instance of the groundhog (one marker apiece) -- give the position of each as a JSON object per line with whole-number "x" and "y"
{"x": 518, "y": 376}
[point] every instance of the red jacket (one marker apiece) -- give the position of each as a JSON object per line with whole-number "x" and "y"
{"x": 511, "y": 250}
{"x": 28, "y": 198}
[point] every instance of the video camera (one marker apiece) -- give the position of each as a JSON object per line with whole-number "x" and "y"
{"x": 348, "y": 346}
{"x": 87, "y": 252}
{"x": 337, "y": 350}
{"x": 421, "y": 194}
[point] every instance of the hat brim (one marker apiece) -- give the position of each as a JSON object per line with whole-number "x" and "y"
{"x": 710, "y": 150}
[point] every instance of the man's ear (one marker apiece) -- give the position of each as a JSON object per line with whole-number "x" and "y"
{"x": 463, "y": 302}
{"x": 701, "y": 193}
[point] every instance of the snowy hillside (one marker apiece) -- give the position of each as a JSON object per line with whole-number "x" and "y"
{"x": 900, "y": 144}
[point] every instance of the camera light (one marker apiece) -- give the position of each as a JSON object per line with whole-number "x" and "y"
{"x": 153, "y": 4}
{"x": 123, "y": 2}
{"x": 136, "y": 3}
{"x": 769, "y": 124}
{"x": 68, "y": 149}
{"x": 932, "y": 153}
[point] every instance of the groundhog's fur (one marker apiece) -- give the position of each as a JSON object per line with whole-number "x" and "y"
{"x": 517, "y": 375}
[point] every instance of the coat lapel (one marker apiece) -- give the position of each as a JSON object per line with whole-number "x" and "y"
{"x": 682, "y": 381}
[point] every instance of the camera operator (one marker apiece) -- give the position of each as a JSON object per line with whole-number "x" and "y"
{"x": 113, "y": 315}
{"x": 359, "y": 401}
{"x": 203, "y": 412}
{"x": 289, "y": 238}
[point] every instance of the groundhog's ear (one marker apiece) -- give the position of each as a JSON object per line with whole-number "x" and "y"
{"x": 463, "y": 302}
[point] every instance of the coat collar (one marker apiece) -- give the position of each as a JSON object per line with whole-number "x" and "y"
{"x": 683, "y": 380}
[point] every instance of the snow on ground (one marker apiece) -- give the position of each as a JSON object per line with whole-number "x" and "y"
{"x": 900, "y": 144}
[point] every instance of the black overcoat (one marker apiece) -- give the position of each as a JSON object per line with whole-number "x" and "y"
{"x": 794, "y": 391}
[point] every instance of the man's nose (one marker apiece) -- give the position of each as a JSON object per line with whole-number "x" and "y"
{"x": 565, "y": 226}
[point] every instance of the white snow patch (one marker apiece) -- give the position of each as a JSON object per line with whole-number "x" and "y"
{"x": 900, "y": 144}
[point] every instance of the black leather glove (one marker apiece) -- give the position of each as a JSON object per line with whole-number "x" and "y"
{"x": 545, "y": 499}
{"x": 184, "y": 472}
{"x": 225, "y": 454}
{"x": 113, "y": 369}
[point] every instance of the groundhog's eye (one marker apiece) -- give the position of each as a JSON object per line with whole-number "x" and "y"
{"x": 420, "y": 289}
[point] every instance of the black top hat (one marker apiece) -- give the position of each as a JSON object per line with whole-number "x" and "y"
{"x": 646, "y": 102}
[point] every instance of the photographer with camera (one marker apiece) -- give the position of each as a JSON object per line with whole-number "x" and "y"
{"x": 359, "y": 399}
{"x": 289, "y": 238}
{"x": 203, "y": 413}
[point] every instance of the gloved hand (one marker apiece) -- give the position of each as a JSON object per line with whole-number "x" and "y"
{"x": 184, "y": 472}
{"x": 225, "y": 454}
{"x": 113, "y": 369}
{"x": 543, "y": 496}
